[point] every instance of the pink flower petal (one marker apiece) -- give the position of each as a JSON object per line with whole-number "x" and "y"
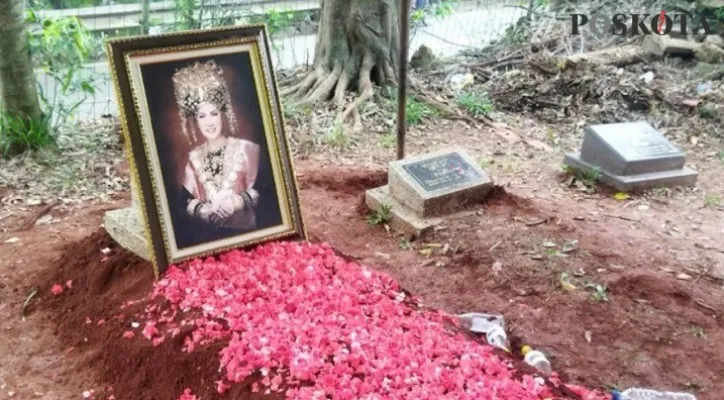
{"x": 296, "y": 312}
{"x": 56, "y": 289}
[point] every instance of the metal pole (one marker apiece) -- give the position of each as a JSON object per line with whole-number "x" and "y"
{"x": 145, "y": 16}
{"x": 402, "y": 78}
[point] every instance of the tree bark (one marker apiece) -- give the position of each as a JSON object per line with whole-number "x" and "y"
{"x": 356, "y": 47}
{"x": 18, "y": 91}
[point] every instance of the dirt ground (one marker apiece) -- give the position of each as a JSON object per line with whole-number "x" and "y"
{"x": 656, "y": 320}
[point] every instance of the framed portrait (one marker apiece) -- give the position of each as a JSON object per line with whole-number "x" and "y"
{"x": 205, "y": 138}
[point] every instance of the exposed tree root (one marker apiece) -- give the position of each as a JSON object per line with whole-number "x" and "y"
{"x": 319, "y": 85}
{"x": 356, "y": 47}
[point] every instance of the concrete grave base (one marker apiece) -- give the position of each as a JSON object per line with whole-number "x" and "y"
{"x": 401, "y": 217}
{"x": 443, "y": 199}
{"x": 126, "y": 228}
{"x": 677, "y": 177}
{"x": 425, "y": 189}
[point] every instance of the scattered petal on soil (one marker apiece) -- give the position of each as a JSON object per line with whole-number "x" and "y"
{"x": 297, "y": 312}
{"x": 56, "y": 289}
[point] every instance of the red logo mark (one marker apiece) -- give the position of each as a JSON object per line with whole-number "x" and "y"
{"x": 662, "y": 21}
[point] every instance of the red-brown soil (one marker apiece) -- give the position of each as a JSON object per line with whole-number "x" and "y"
{"x": 499, "y": 256}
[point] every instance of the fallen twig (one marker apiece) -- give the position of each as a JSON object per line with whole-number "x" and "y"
{"x": 536, "y": 222}
{"x": 623, "y": 217}
{"x": 714, "y": 76}
{"x": 32, "y": 294}
{"x": 493, "y": 247}
{"x": 701, "y": 246}
{"x": 539, "y": 14}
{"x": 704, "y": 305}
{"x": 514, "y": 55}
{"x": 619, "y": 56}
{"x": 34, "y": 219}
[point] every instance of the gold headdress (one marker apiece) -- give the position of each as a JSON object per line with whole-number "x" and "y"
{"x": 200, "y": 83}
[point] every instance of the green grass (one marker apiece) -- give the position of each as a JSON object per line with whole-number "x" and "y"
{"x": 486, "y": 162}
{"x": 18, "y": 135}
{"x": 712, "y": 200}
{"x": 388, "y": 140}
{"x": 590, "y": 177}
{"x": 295, "y": 112}
{"x": 600, "y": 292}
{"x": 707, "y": 111}
{"x": 381, "y": 216}
{"x": 474, "y": 103}
{"x": 336, "y": 137}
{"x": 418, "y": 111}
{"x": 698, "y": 331}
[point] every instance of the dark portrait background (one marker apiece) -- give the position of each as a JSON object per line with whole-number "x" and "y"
{"x": 173, "y": 147}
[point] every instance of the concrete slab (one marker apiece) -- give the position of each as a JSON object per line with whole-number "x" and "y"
{"x": 629, "y": 149}
{"x": 438, "y": 183}
{"x": 660, "y": 45}
{"x": 626, "y": 183}
{"x": 126, "y": 228}
{"x": 632, "y": 155}
{"x": 402, "y": 218}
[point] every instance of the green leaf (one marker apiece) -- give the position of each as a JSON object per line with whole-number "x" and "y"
{"x": 67, "y": 80}
{"x": 88, "y": 87}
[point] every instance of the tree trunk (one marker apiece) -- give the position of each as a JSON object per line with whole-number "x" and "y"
{"x": 18, "y": 91}
{"x": 357, "y": 44}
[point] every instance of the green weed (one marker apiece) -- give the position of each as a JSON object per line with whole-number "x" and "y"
{"x": 381, "y": 216}
{"x": 474, "y": 103}
{"x": 336, "y": 136}
{"x": 418, "y": 111}
{"x": 698, "y": 331}
{"x": 18, "y": 134}
{"x": 600, "y": 292}
{"x": 388, "y": 140}
{"x": 712, "y": 200}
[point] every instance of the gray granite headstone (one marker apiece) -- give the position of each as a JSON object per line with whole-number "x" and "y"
{"x": 422, "y": 189}
{"x": 631, "y": 156}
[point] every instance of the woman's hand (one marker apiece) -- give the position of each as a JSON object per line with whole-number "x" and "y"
{"x": 224, "y": 206}
{"x": 207, "y": 212}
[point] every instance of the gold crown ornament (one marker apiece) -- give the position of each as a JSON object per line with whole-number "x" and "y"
{"x": 201, "y": 83}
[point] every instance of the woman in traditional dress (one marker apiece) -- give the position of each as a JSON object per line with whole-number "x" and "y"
{"x": 219, "y": 177}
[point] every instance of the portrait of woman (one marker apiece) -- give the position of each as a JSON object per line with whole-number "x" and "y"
{"x": 218, "y": 180}
{"x": 207, "y": 144}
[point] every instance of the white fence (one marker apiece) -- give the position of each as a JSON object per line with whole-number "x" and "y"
{"x": 471, "y": 25}
{"x": 129, "y": 16}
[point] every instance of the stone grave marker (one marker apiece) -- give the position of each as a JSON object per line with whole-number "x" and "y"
{"x": 125, "y": 226}
{"x": 631, "y": 155}
{"x": 422, "y": 189}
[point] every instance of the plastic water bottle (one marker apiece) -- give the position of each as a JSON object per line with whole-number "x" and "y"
{"x": 537, "y": 360}
{"x": 648, "y": 394}
{"x": 482, "y": 323}
{"x": 497, "y": 338}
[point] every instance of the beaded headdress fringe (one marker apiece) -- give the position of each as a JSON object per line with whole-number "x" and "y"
{"x": 200, "y": 83}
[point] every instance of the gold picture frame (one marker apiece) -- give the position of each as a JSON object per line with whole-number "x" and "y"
{"x": 205, "y": 140}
